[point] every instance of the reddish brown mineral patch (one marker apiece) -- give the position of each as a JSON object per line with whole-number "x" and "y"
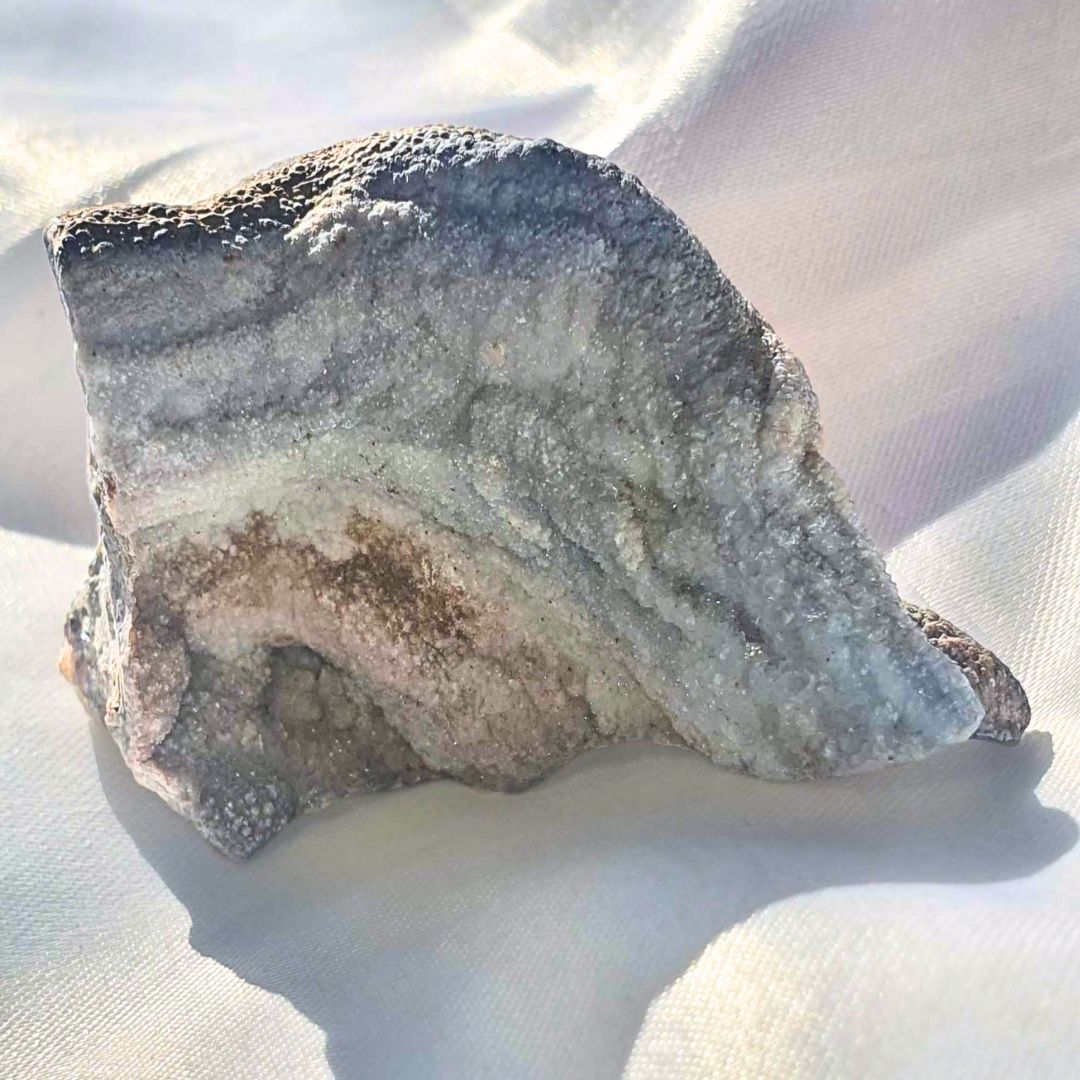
{"x": 388, "y": 571}
{"x": 468, "y": 682}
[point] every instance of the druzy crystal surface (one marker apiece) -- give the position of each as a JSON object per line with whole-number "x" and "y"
{"x": 448, "y": 454}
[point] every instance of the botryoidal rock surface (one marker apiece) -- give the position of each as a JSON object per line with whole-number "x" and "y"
{"x": 444, "y": 453}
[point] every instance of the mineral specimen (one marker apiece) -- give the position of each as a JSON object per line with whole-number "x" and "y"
{"x": 444, "y": 453}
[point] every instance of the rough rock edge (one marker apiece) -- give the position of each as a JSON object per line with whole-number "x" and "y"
{"x": 273, "y": 201}
{"x": 268, "y": 803}
{"x": 1007, "y": 709}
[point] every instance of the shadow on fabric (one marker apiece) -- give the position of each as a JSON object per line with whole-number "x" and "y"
{"x": 441, "y": 931}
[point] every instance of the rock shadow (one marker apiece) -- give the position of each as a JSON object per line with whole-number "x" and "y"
{"x": 440, "y": 931}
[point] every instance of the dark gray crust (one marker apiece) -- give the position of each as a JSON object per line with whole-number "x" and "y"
{"x": 273, "y": 199}
{"x": 1007, "y": 710}
{"x": 476, "y": 172}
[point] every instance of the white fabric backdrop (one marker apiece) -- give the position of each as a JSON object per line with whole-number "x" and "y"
{"x": 895, "y": 185}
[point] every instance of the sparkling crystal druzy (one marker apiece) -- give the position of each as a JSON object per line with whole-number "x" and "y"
{"x": 444, "y": 453}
